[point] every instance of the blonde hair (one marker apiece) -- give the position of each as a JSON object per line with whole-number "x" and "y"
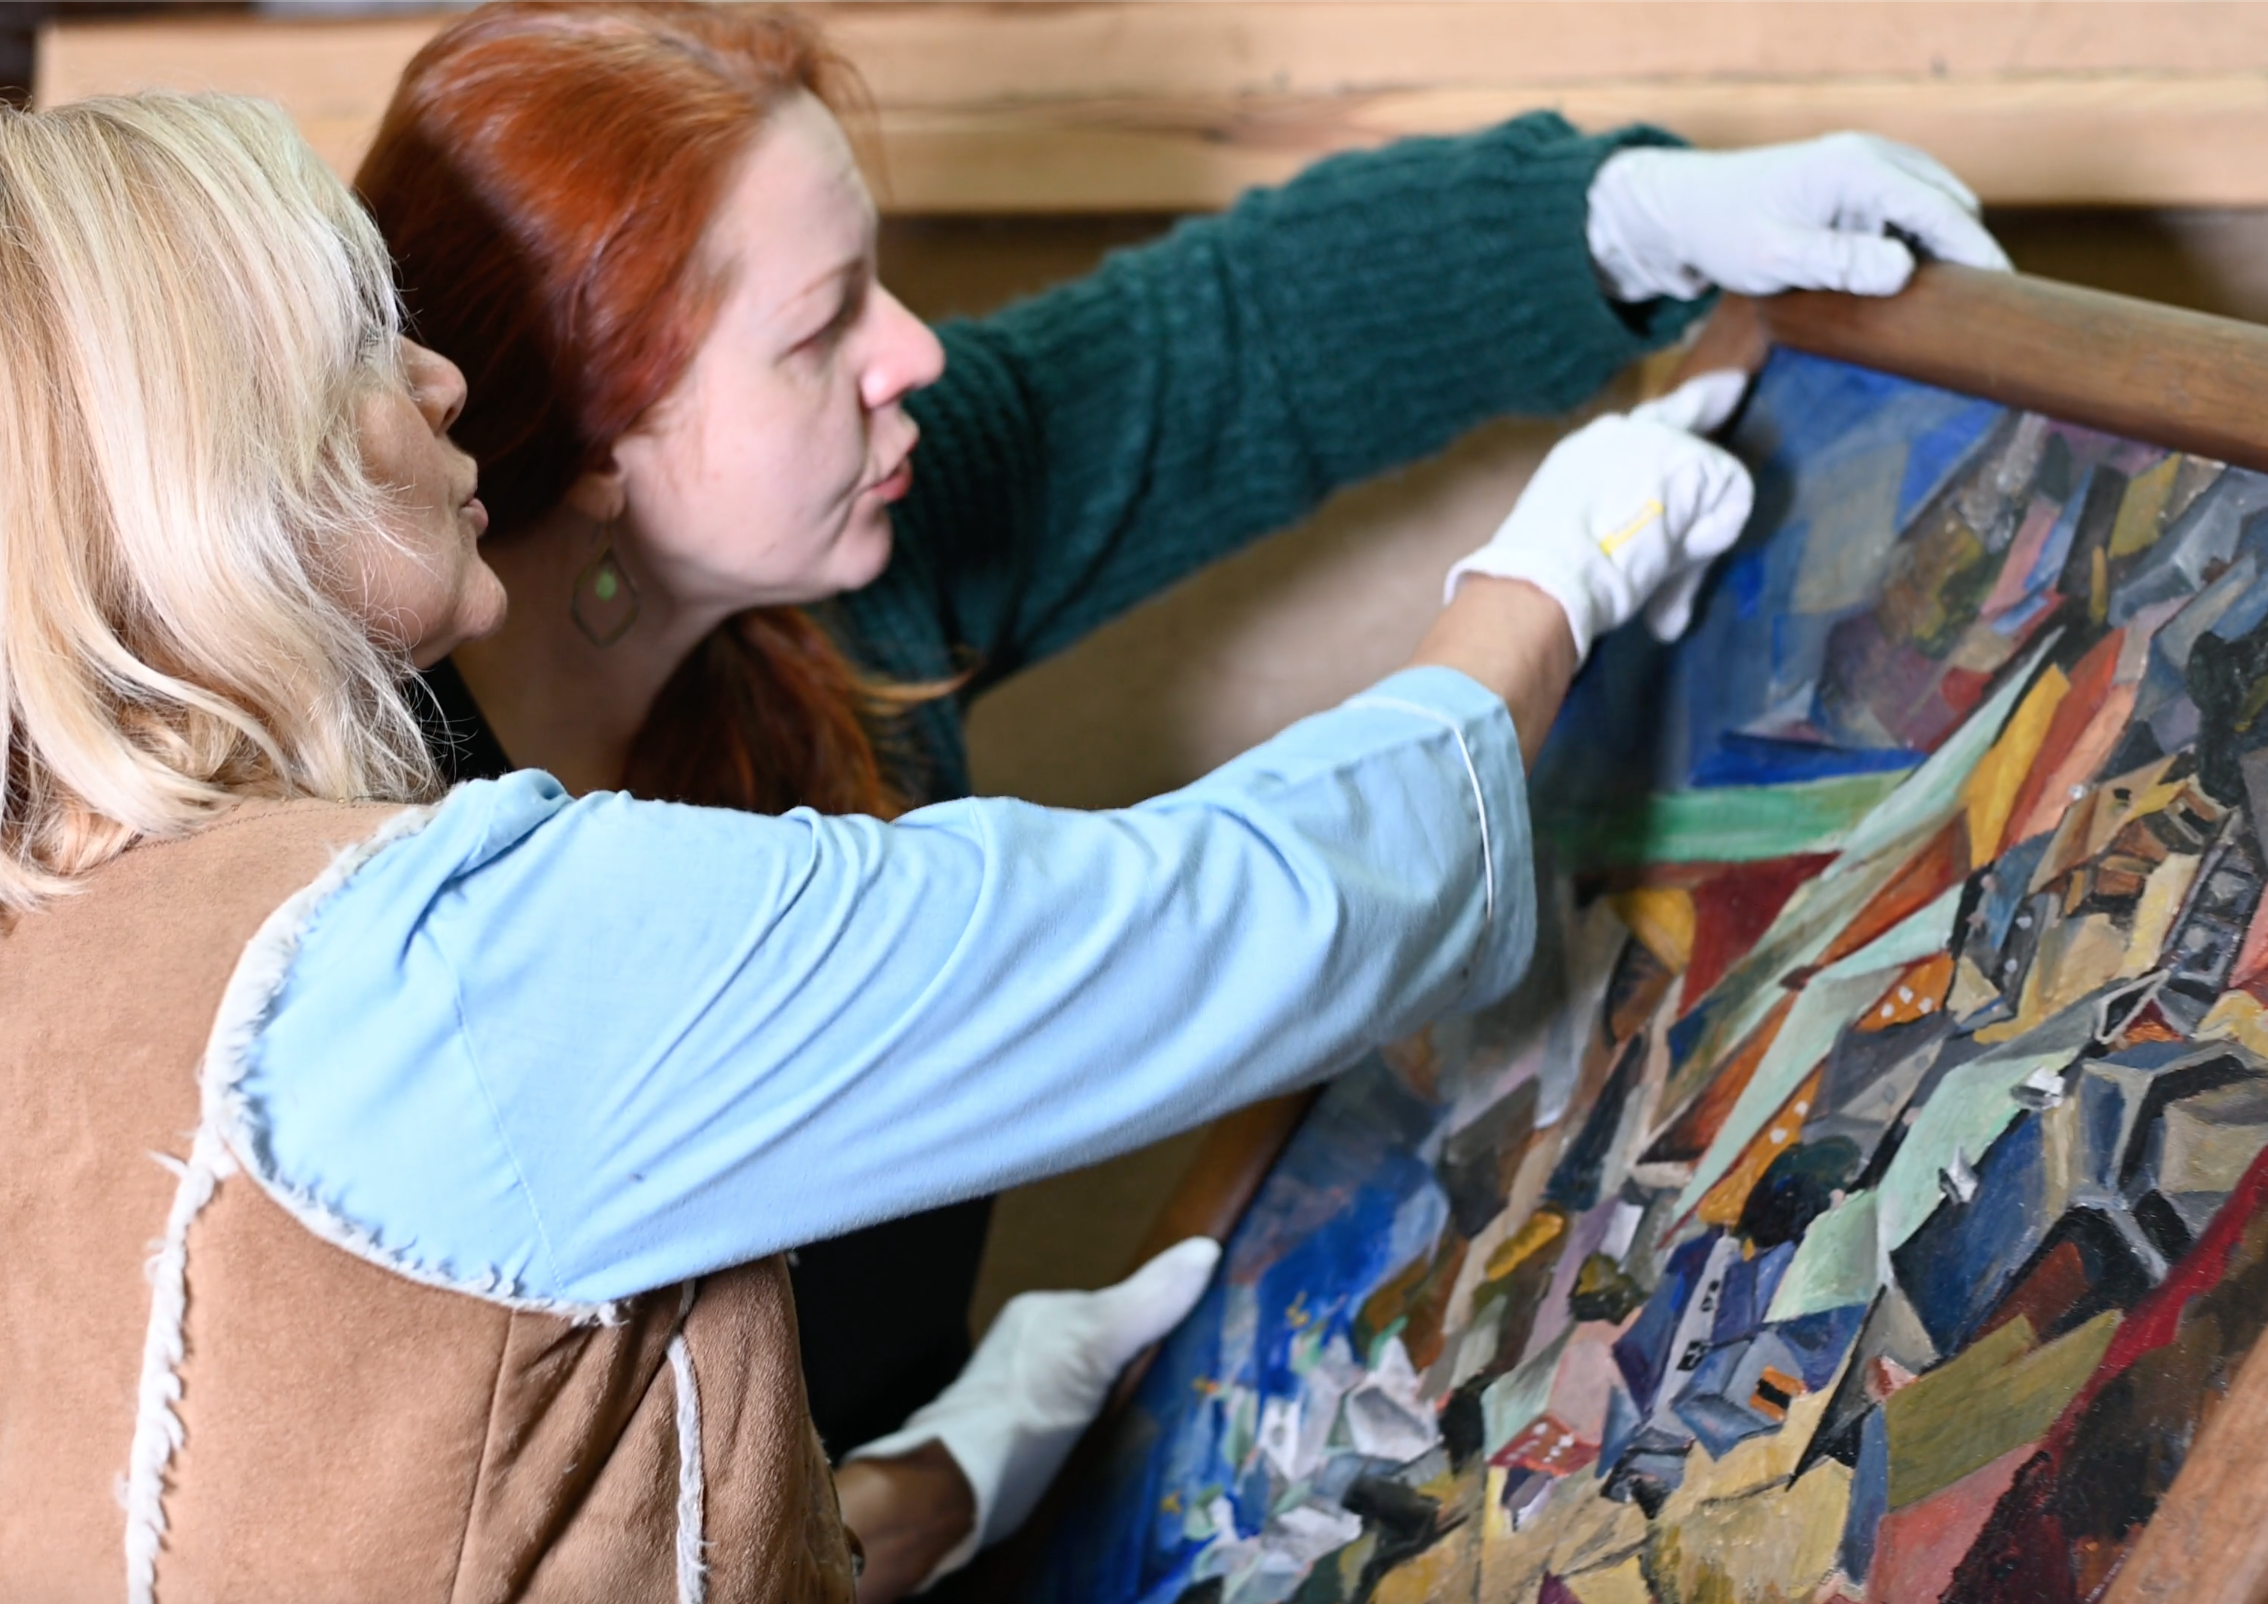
{"x": 193, "y": 304}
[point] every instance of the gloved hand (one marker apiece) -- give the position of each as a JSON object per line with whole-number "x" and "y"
{"x": 1038, "y": 1379}
{"x": 1807, "y": 216}
{"x": 1627, "y": 512}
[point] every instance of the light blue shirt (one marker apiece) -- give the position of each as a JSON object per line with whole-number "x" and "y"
{"x": 582, "y": 1049}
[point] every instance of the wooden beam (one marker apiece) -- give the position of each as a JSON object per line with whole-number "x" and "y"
{"x": 2154, "y": 373}
{"x": 1174, "y": 105}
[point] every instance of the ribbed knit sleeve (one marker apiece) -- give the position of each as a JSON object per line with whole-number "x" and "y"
{"x": 1090, "y": 446}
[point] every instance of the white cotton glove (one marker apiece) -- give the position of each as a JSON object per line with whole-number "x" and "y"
{"x": 1627, "y": 512}
{"x": 1808, "y": 216}
{"x": 1038, "y": 1380}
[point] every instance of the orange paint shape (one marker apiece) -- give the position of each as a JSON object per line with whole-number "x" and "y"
{"x": 1928, "y": 875}
{"x": 1989, "y": 796}
{"x": 1690, "y": 1134}
{"x": 1722, "y": 1204}
{"x": 1919, "y": 992}
{"x": 1775, "y": 1390}
{"x": 2079, "y": 740}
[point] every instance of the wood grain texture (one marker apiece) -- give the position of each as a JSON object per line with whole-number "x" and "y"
{"x": 2208, "y": 1543}
{"x": 1176, "y": 105}
{"x": 2184, "y": 380}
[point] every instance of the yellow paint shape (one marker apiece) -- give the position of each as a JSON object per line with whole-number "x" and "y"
{"x": 2074, "y": 957}
{"x": 1662, "y": 918}
{"x": 1971, "y": 991}
{"x": 1999, "y": 1394}
{"x": 1757, "y": 1465}
{"x": 2239, "y": 1017}
{"x": 1541, "y": 1230}
{"x": 1777, "y": 1545}
{"x": 1990, "y": 795}
{"x": 2141, "y": 514}
{"x": 1449, "y": 1569}
{"x": 1616, "y": 1584}
{"x": 2154, "y": 914}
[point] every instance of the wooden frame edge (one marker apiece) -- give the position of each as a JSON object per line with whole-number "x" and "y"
{"x": 2167, "y": 377}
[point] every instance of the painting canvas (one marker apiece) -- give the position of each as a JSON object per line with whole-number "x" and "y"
{"x": 1863, "y": 1198}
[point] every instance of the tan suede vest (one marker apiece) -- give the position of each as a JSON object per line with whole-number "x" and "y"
{"x": 202, "y": 1398}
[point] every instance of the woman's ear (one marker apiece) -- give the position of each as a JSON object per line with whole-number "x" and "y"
{"x": 599, "y": 494}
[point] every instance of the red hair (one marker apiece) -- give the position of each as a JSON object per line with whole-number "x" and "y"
{"x": 543, "y": 176}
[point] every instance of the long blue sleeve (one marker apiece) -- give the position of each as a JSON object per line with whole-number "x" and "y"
{"x": 579, "y": 1049}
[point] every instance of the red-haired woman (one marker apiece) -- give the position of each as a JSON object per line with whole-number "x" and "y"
{"x": 641, "y": 233}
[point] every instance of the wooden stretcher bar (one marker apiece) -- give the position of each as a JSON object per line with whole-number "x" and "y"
{"x": 2184, "y": 380}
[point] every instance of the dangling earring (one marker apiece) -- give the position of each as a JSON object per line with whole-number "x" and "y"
{"x": 605, "y": 603}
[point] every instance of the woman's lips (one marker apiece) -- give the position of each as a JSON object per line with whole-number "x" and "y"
{"x": 894, "y": 487}
{"x": 478, "y": 514}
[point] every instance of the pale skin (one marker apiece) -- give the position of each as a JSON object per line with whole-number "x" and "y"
{"x": 765, "y": 477}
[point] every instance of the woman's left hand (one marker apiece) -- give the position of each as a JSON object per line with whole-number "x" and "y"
{"x": 1826, "y": 214}
{"x": 1035, "y": 1383}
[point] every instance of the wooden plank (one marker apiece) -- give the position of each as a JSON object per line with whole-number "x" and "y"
{"x": 926, "y": 53}
{"x": 1166, "y": 105}
{"x": 2112, "y": 140}
{"x": 2155, "y": 373}
{"x": 2207, "y": 1543}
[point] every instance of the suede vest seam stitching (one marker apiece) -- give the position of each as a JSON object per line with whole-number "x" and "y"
{"x": 692, "y": 1535}
{"x": 257, "y": 976}
{"x": 238, "y": 819}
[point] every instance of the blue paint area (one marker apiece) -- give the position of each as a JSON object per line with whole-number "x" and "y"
{"x": 1963, "y": 1258}
{"x": 1328, "y": 1227}
{"x": 1870, "y": 1498}
{"x": 1757, "y": 760}
{"x": 1643, "y": 1352}
{"x": 1937, "y": 454}
{"x": 1749, "y": 1286}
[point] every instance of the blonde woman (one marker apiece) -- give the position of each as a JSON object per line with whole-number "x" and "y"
{"x": 469, "y": 1131}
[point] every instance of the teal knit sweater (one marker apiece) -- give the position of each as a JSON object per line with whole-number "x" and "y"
{"x": 1090, "y": 446}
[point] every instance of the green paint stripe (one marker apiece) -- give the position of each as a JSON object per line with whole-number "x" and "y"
{"x": 1720, "y": 824}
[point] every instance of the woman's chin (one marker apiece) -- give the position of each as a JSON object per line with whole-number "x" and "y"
{"x": 862, "y": 554}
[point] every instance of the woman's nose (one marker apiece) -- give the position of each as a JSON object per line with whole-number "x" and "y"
{"x": 906, "y": 355}
{"x": 438, "y": 384}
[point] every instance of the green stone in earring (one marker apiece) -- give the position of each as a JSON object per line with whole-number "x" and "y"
{"x": 605, "y": 600}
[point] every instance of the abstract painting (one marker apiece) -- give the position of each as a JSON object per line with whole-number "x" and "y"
{"x": 1863, "y": 1199}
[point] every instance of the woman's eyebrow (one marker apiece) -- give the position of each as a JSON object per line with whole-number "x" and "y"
{"x": 841, "y": 273}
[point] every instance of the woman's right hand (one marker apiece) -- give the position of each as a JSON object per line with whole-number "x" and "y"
{"x": 1627, "y": 513}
